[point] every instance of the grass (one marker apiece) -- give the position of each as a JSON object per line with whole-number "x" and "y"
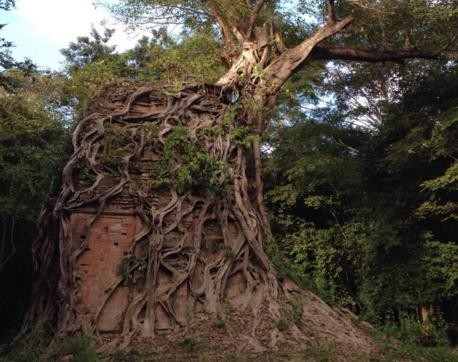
{"x": 322, "y": 352}
{"x": 391, "y": 352}
{"x": 395, "y": 343}
{"x": 80, "y": 347}
{"x": 282, "y": 324}
{"x": 34, "y": 348}
{"x": 190, "y": 344}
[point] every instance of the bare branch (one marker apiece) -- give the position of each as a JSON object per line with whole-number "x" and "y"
{"x": 369, "y": 55}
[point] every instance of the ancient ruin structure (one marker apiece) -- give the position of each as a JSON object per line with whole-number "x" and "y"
{"x": 158, "y": 227}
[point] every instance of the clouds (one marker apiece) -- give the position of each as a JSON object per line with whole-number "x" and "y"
{"x": 41, "y": 28}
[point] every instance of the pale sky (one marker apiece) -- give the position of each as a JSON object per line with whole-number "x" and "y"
{"x": 40, "y": 28}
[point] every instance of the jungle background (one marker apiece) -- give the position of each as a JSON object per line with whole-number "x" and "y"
{"x": 360, "y": 171}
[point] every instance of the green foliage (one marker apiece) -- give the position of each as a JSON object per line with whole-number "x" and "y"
{"x": 31, "y": 347}
{"x": 440, "y": 192}
{"x": 36, "y": 346}
{"x": 93, "y": 65}
{"x": 195, "y": 59}
{"x": 410, "y": 332}
{"x": 117, "y": 144}
{"x": 193, "y": 15}
{"x": 197, "y": 169}
{"x": 285, "y": 268}
{"x": 88, "y": 50}
{"x": 413, "y": 343}
{"x": 322, "y": 352}
{"x": 365, "y": 218}
{"x": 320, "y": 181}
{"x": 229, "y": 253}
{"x": 282, "y": 324}
{"x": 220, "y": 321}
{"x": 243, "y": 136}
{"x": 440, "y": 260}
{"x": 190, "y": 344}
{"x": 230, "y": 116}
{"x": 32, "y": 144}
{"x": 401, "y": 23}
{"x": 151, "y": 131}
{"x": 80, "y": 347}
{"x": 448, "y": 180}
{"x": 177, "y": 143}
{"x": 202, "y": 172}
{"x": 132, "y": 266}
{"x": 297, "y": 305}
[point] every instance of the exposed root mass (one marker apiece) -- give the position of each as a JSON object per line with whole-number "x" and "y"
{"x": 185, "y": 164}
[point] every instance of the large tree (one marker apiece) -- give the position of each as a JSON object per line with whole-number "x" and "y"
{"x": 204, "y": 225}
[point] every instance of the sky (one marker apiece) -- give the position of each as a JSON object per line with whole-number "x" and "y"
{"x": 40, "y": 28}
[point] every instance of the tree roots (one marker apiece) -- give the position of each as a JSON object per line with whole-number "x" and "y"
{"x": 186, "y": 166}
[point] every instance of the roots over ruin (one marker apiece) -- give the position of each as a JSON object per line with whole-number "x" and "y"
{"x": 184, "y": 165}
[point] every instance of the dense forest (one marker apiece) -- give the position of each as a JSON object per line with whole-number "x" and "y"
{"x": 359, "y": 156}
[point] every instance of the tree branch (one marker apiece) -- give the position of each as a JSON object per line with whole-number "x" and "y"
{"x": 367, "y": 55}
{"x": 224, "y": 26}
{"x": 282, "y": 67}
{"x": 231, "y": 35}
{"x": 253, "y": 17}
{"x": 331, "y": 11}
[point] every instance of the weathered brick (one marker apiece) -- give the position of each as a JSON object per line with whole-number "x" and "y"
{"x": 98, "y": 267}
